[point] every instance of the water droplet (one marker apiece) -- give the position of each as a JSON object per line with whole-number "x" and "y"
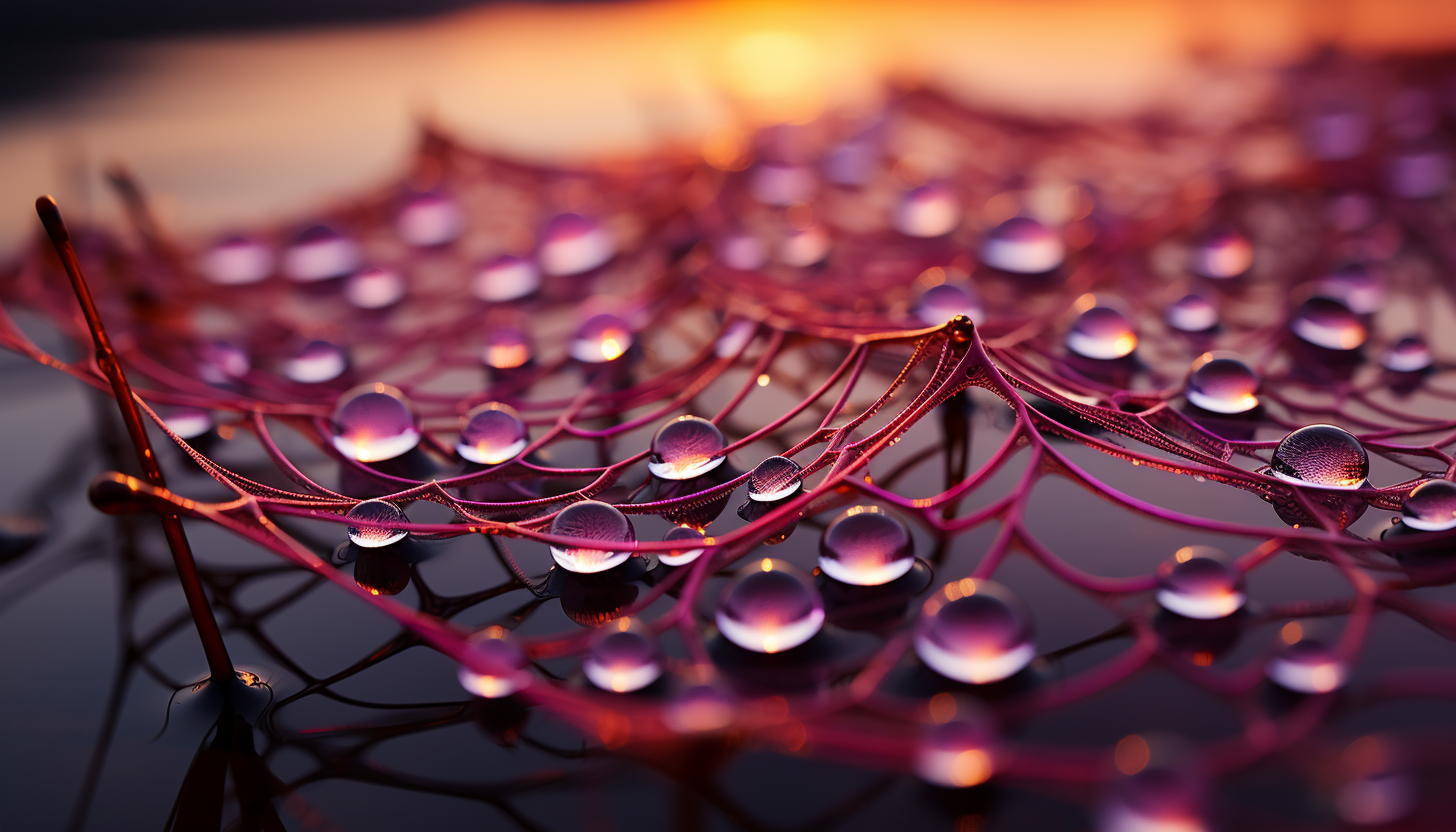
{"x": 781, "y": 184}
{"x": 1408, "y": 355}
{"x": 1221, "y": 252}
{"x": 593, "y": 600}
{"x": 494, "y": 665}
{"x": 1192, "y": 313}
{"x": 429, "y": 220}
{"x": 320, "y": 253}
{"x": 699, "y": 709}
{"x": 364, "y": 515}
{"x": 505, "y": 278}
{"x": 930, "y": 210}
{"x": 187, "y": 422}
{"x": 591, "y": 520}
{"x": 1200, "y": 583}
{"x": 236, "y": 261}
{"x": 1329, "y": 323}
{"x": 685, "y": 533}
{"x": 505, "y": 348}
{"x": 381, "y": 571}
{"x": 374, "y": 422}
{"x": 1154, "y": 800}
{"x": 686, "y": 447}
{"x": 1221, "y": 384}
{"x": 1022, "y": 245}
{"x": 975, "y": 631}
{"x": 573, "y": 244}
{"x": 769, "y": 606}
{"x": 804, "y": 247}
{"x": 1321, "y": 455}
{"x": 223, "y": 362}
{"x": 866, "y": 546}
{"x": 774, "y": 479}
{"x": 602, "y": 338}
{"x": 939, "y": 304}
{"x": 1102, "y": 333}
{"x": 735, "y": 338}
{"x": 1354, "y": 285}
{"x": 316, "y": 362}
{"x": 956, "y": 753}
{"x": 491, "y": 433}
{"x": 374, "y": 289}
{"x": 1431, "y": 506}
{"x": 1307, "y": 666}
{"x": 742, "y": 251}
{"x": 1419, "y": 172}
{"x": 623, "y": 657}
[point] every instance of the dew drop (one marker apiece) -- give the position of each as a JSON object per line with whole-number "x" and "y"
{"x": 742, "y": 251}
{"x": 187, "y": 422}
{"x": 1328, "y": 323}
{"x": 1222, "y": 385}
{"x": 955, "y": 754}
{"x": 699, "y": 709}
{"x": 686, "y": 447}
{"x": 505, "y": 348}
{"x": 1307, "y": 666}
{"x": 1408, "y": 355}
{"x": 975, "y": 631}
{"x": 604, "y": 337}
{"x": 941, "y": 304}
{"x": 236, "y": 261}
{"x": 781, "y": 184}
{"x": 1431, "y": 506}
{"x": 774, "y": 479}
{"x": 494, "y": 665}
{"x": 930, "y": 210}
{"x": 804, "y": 247}
{"x": 320, "y": 253}
{"x": 429, "y": 220}
{"x": 491, "y": 433}
{"x": 316, "y": 362}
{"x": 374, "y": 422}
{"x": 623, "y": 657}
{"x": 505, "y": 278}
{"x": 1192, "y": 313}
{"x": 866, "y": 546}
{"x": 1321, "y": 455}
{"x": 1199, "y": 583}
{"x": 769, "y": 606}
{"x": 685, "y": 533}
{"x": 1102, "y": 333}
{"x": 363, "y": 517}
{"x": 1354, "y": 285}
{"x": 591, "y": 520}
{"x": 374, "y": 289}
{"x": 1154, "y": 800}
{"x": 573, "y": 244}
{"x": 1221, "y": 252}
{"x": 1022, "y": 245}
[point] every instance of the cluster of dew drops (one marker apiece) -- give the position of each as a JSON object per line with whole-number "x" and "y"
{"x": 844, "y": 231}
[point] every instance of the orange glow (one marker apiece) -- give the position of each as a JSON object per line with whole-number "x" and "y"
{"x": 508, "y": 356}
{"x": 1132, "y": 754}
{"x": 942, "y": 708}
{"x": 763, "y": 379}
{"x": 611, "y": 348}
{"x": 970, "y": 767}
{"x": 1291, "y": 632}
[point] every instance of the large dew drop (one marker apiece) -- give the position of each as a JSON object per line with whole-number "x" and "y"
{"x": 1321, "y": 455}
{"x": 866, "y": 546}
{"x": 955, "y": 754}
{"x": 1328, "y": 323}
{"x": 573, "y": 244}
{"x": 1307, "y": 666}
{"x": 770, "y": 606}
{"x": 1102, "y": 333}
{"x": 490, "y": 434}
{"x": 931, "y": 210}
{"x": 623, "y": 657}
{"x": 364, "y": 519}
{"x": 686, "y": 534}
{"x": 236, "y": 261}
{"x": 941, "y": 304}
{"x": 591, "y": 520}
{"x": 1199, "y": 583}
{"x": 975, "y": 631}
{"x": 429, "y": 220}
{"x": 1022, "y": 245}
{"x": 1221, "y": 253}
{"x": 505, "y": 348}
{"x": 505, "y": 278}
{"x": 373, "y": 423}
{"x": 775, "y": 478}
{"x": 604, "y": 337}
{"x": 320, "y": 253}
{"x": 374, "y": 289}
{"x": 494, "y": 665}
{"x": 316, "y": 362}
{"x": 686, "y": 447}
{"x": 1222, "y": 385}
{"x": 1192, "y": 313}
{"x": 1431, "y": 506}
{"x": 1408, "y": 355}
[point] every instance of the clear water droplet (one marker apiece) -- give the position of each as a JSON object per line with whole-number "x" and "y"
{"x": 491, "y": 433}
{"x": 1408, "y": 355}
{"x": 602, "y": 338}
{"x": 930, "y": 210}
{"x": 1022, "y": 245}
{"x": 1102, "y": 333}
{"x": 686, "y": 447}
{"x": 1199, "y": 583}
{"x": 1354, "y": 285}
{"x": 1321, "y": 455}
{"x": 623, "y": 657}
{"x": 684, "y": 533}
{"x": 804, "y": 247}
{"x": 316, "y": 362}
{"x": 956, "y": 754}
{"x": 320, "y": 253}
{"x": 591, "y": 520}
{"x": 742, "y": 251}
{"x": 1220, "y": 384}
{"x": 940, "y": 304}
{"x": 505, "y": 278}
{"x": 1328, "y": 323}
{"x": 363, "y": 518}
{"x": 769, "y": 606}
{"x": 975, "y": 631}
{"x": 735, "y": 338}
{"x": 866, "y": 546}
{"x": 1307, "y": 666}
{"x": 1431, "y": 506}
{"x": 429, "y": 219}
{"x": 573, "y": 244}
{"x": 776, "y": 478}
{"x": 374, "y": 422}
{"x": 505, "y": 348}
{"x": 236, "y": 261}
{"x": 187, "y": 422}
{"x": 494, "y": 665}
{"x": 374, "y": 289}
{"x": 1192, "y": 313}
{"x": 1220, "y": 253}
{"x": 781, "y": 184}
{"x": 699, "y": 709}
{"x": 1154, "y": 800}
{"x": 223, "y": 362}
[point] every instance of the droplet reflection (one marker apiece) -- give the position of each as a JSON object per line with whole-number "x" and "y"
{"x": 1022, "y": 245}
